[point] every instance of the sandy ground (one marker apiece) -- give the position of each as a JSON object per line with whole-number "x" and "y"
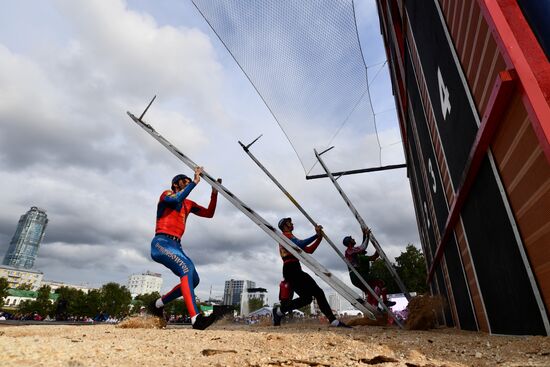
{"x": 288, "y": 345}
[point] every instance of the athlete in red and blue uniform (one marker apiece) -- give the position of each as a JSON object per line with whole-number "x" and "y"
{"x": 301, "y": 282}
{"x": 172, "y": 212}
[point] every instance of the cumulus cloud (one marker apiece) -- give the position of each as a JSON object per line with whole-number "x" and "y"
{"x": 67, "y": 145}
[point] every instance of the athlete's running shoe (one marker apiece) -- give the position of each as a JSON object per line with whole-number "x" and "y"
{"x": 202, "y": 322}
{"x": 339, "y": 323}
{"x": 154, "y": 310}
{"x": 276, "y": 317}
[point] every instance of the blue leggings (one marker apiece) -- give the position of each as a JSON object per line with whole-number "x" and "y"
{"x": 168, "y": 252}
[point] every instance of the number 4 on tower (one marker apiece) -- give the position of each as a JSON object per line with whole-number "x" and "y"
{"x": 443, "y": 95}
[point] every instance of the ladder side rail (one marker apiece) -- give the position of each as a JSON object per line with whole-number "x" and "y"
{"x": 325, "y": 236}
{"x": 363, "y": 225}
{"x": 391, "y": 269}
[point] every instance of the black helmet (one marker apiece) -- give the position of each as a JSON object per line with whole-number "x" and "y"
{"x": 347, "y": 241}
{"x": 282, "y": 222}
{"x": 179, "y": 177}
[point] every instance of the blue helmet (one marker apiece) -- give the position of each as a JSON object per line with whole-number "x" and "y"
{"x": 179, "y": 177}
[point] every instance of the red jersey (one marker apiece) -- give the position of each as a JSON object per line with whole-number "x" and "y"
{"x": 172, "y": 212}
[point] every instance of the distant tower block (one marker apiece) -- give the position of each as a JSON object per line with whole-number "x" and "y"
{"x": 144, "y": 283}
{"x": 24, "y": 245}
{"x": 233, "y": 290}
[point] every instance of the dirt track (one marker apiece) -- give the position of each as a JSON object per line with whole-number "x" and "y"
{"x": 289, "y": 345}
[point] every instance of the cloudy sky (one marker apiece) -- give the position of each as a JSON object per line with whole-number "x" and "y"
{"x": 69, "y": 71}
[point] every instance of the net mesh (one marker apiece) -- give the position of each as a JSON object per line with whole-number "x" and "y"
{"x": 304, "y": 59}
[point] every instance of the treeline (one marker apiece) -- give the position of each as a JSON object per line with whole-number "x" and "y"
{"x": 116, "y": 301}
{"x": 111, "y": 300}
{"x": 411, "y": 268}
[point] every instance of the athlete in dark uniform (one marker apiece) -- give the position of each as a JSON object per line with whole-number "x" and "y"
{"x": 172, "y": 212}
{"x": 299, "y": 281}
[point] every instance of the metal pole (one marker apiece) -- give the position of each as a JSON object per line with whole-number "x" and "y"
{"x": 355, "y": 171}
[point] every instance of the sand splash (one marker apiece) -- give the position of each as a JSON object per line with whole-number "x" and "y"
{"x": 423, "y": 312}
{"x": 142, "y": 322}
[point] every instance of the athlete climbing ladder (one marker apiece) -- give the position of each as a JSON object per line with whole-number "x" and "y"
{"x": 339, "y": 286}
{"x": 246, "y": 148}
{"x": 364, "y": 225}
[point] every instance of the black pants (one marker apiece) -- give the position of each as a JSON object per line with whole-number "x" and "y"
{"x": 306, "y": 289}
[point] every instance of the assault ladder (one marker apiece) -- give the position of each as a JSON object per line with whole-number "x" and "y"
{"x": 364, "y": 225}
{"x": 336, "y": 284}
{"x": 246, "y": 148}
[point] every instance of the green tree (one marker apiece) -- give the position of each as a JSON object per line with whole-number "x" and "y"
{"x": 42, "y": 305}
{"x": 79, "y": 305}
{"x": 65, "y": 299}
{"x": 93, "y": 303}
{"x": 115, "y": 299}
{"x": 4, "y": 286}
{"x": 24, "y": 286}
{"x": 70, "y": 302}
{"x": 145, "y": 300}
{"x": 411, "y": 267}
{"x": 255, "y": 304}
{"x": 26, "y": 307}
{"x": 306, "y": 310}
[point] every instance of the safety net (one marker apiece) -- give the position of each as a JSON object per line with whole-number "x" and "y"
{"x": 305, "y": 61}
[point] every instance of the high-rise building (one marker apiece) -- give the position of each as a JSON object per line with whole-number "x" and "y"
{"x": 233, "y": 289}
{"x": 144, "y": 283}
{"x": 26, "y": 240}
